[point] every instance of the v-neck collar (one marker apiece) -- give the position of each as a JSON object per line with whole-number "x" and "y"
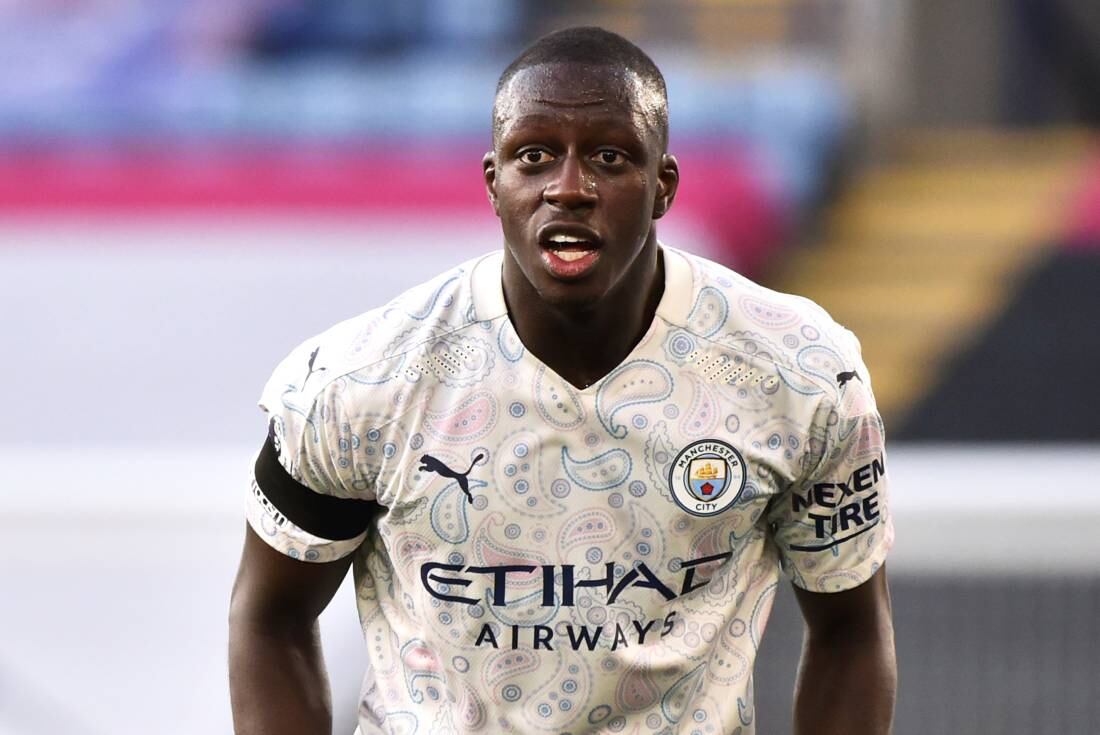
{"x": 488, "y": 299}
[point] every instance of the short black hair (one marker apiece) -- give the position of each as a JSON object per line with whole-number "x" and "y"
{"x": 590, "y": 46}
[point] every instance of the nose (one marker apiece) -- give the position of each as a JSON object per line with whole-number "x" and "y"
{"x": 572, "y": 187}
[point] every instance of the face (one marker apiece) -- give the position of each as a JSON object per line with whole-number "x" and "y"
{"x": 577, "y": 175}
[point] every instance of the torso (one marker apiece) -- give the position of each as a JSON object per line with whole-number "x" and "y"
{"x": 553, "y": 559}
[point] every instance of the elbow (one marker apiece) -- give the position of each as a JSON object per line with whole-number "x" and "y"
{"x": 244, "y": 620}
{"x": 243, "y": 605}
{"x": 239, "y": 610}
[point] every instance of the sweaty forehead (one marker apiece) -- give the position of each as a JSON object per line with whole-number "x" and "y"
{"x": 571, "y": 86}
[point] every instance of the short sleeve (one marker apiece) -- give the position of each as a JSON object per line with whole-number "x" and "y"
{"x": 301, "y": 502}
{"x": 833, "y": 527}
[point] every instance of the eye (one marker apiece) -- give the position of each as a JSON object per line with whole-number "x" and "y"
{"x": 535, "y": 155}
{"x": 609, "y": 156}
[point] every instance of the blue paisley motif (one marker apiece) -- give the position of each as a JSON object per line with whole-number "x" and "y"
{"x": 760, "y": 614}
{"x": 679, "y": 345}
{"x": 380, "y": 372}
{"x": 602, "y": 472}
{"x": 821, "y": 362}
{"x": 640, "y": 381}
{"x": 745, "y": 706}
{"x": 422, "y": 666}
{"x": 526, "y": 610}
{"x": 797, "y": 383}
{"x": 428, "y": 308}
{"x": 744, "y": 711}
{"x": 659, "y": 453}
{"x": 401, "y": 723}
{"x": 709, "y": 313}
{"x": 508, "y": 342}
{"x": 556, "y": 401}
{"x": 449, "y": 520}
{"x": 680, "y": 694}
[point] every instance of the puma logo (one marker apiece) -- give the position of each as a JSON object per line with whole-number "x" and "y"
{"x": 312, "y": 359}
{"x": 428, "y": 463}
{"x": 843, "y": 378}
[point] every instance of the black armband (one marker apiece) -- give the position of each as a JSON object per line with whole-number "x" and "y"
{"x": 324, "y": 516}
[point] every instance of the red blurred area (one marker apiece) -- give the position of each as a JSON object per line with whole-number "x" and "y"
{"x": 721, "y": 197}
{"x": 1084, "y": 224}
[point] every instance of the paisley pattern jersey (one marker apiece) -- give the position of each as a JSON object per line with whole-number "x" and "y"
{"x": 557, "y": 560}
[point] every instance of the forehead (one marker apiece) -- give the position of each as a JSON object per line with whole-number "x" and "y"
{"x": 569, "y": 89}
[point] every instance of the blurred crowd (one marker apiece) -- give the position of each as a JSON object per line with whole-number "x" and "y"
{"x": 776, "y": 105}
{"x": 104, "y": 76}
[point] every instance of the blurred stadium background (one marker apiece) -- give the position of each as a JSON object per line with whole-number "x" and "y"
{"x": 188, "y": 189}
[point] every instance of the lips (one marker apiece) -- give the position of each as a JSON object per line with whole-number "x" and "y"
{"x": 569, "y": 250}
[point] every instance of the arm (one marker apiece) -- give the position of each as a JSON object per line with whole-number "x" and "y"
{"x": 277, "y": 676}
{"x": 847, "y": 679}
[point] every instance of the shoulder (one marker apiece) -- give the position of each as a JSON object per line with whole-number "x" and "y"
{"x": 721, "y": 309}
{"x": 372, "y": 348}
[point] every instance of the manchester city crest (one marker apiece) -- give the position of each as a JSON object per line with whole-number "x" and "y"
{"x": 707, "y": 477}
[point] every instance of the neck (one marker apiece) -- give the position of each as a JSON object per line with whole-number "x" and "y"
{"x": 583, "y": 344}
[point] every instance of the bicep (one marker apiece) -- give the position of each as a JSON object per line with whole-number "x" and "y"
{"x": 274, "y": 587}
{"x": 863, "y": 610}
{"x": 298, "y": 544}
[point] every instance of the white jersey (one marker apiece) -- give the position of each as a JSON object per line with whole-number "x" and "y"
{"x": 602, "y": 560}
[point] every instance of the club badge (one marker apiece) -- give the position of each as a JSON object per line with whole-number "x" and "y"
{"x": 707, "y": 477}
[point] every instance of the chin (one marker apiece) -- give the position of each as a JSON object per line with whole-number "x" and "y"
{"x": 576, "y": 297}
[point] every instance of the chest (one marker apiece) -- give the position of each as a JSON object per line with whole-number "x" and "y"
{"x": 654, "y": 459}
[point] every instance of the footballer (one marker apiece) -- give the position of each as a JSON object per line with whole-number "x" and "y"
{"x": 570, "y": 474}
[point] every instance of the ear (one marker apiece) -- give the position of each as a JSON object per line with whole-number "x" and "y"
{"x": 489, "y": 171}
{"x": 668, "y": 180}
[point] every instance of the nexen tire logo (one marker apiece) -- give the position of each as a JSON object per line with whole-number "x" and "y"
{"x": 707, "y": 477}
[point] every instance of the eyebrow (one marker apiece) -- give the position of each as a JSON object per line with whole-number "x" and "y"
{"x": 560, "y": 103}
{"x": 544, "y": 118}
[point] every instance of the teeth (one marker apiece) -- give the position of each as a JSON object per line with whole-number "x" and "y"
{"x": 570, "y": 255}
{"x": 565, "y": 238}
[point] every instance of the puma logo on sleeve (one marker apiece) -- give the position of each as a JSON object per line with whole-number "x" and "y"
{"x": 312, "y": 359}
{"x": 843, "y": 378}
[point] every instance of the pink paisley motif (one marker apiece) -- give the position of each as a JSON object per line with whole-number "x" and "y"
{"x": 868, "y": 444}
{"x": 637, "y": 690}
{"x": 855, "y": 400}
{"x": 411, "y": 548}
{"x": 586, "y": 527}
{"x": 760, "y": 613}
{"x": 766, "y": 314}
{"x": 421, "y": 659}
{"x": 701, "y": 418}
{"x": 713, "y": 540}
{"x": 383, "y": 643}
{"x": 490, "y": 552}
{"x": 471, "y": 710}
{"x": 474, "y": 418}
{"x": 506, "y": 664}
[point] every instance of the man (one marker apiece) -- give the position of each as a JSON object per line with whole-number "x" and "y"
{"x": 567, "y": 473}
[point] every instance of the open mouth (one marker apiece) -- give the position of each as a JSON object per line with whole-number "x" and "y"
{"x": 569, "y": 251}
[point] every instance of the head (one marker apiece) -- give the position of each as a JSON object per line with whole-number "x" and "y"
{"x": 579, "y": 169}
